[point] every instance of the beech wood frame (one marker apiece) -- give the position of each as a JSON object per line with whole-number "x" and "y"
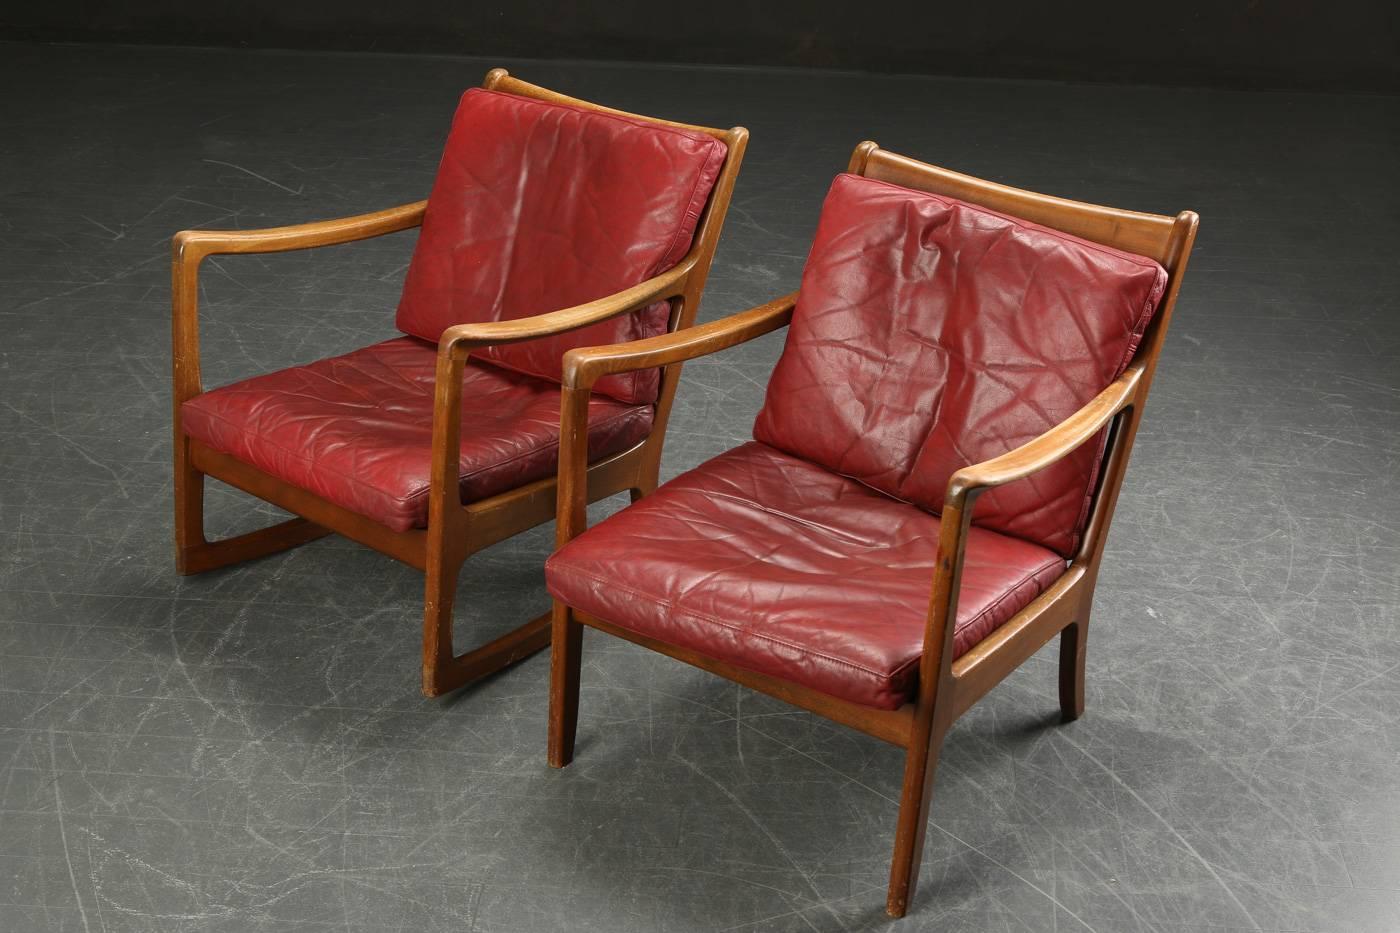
{"x": 455, "y": 529}
{"x": 947, "y": 688}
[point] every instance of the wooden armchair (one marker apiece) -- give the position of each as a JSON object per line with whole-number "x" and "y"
{"x": 933, "y": 476}
{"x": 553, "y": 223}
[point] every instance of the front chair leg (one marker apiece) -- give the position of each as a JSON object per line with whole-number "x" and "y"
{"x": 920, "y": 764}
{"x": 439, "y": 595}
{"x": 444, "y": 671}
{"x": 1072, "y": 643}
{"x": 565, "y": 663}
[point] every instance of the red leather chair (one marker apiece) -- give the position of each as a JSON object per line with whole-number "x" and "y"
{"x": 553, "y": 223}
{"x": 953, "y": 342}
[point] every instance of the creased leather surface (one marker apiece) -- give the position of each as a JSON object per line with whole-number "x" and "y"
{"x": 538, "y": 207}
{"x": 357, "y": 429}
{"x": 780, "y": 566}
{"x": 931, "y": 334}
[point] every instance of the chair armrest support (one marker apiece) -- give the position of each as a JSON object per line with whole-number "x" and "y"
{"x": 585, "y": 366}
{"x": 459, "y": 340}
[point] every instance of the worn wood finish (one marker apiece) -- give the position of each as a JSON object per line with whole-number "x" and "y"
{"x": 947, "y": 687}
{"x": 455, "y": 529}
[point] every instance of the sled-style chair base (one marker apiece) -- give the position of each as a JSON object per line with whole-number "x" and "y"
{"x": 455, "y": 529}
{"x": 470, "y": 529}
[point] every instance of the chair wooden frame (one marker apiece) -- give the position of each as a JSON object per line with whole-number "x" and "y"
{"x": 947, "y": 687}
{"x": 455, "y": 530}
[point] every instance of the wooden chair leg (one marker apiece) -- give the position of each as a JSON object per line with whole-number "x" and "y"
{"x": 189, "y": 510}
{"x": 648, "y": 478}
{"x": 645, "y": 487}
{"x": 920, "y": 764}
{"x": 444, "y": 671}
{"x": 565, "y": 663}
{"x": 439, "y": 595}
{"x": 1072, "y": 642}
{"x": 194, "y": 553}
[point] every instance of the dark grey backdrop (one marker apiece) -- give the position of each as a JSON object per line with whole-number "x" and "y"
{"x": 1349, "y": 44}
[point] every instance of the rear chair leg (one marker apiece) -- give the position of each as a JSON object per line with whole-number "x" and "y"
{"x": 1072, "y": 642}
{"x": 565, "y": 663}
{"x": 920, "y": 764}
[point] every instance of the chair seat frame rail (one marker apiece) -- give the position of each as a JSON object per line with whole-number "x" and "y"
{"x": 947, "y": 687}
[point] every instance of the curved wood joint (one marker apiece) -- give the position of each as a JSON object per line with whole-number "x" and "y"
{"x": 211, "y": 555}
{"x": 443, "y": 675}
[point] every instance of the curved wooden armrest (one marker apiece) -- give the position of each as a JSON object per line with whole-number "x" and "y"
{"x": 457, "y": 341}
{"x": 190, "y": 247}
{"x": 196, "y": 244}
{"x": 1050, "y": 447}
{"x": 585, "y": 366}
{"x": 964, "y": 486}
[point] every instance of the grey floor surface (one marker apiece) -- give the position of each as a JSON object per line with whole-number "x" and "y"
{"x": 248, "y": 751}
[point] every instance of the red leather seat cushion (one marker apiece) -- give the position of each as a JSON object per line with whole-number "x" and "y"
{"x": 540, "y": 206}
{"x": 357, "y": 429}
{"x": 779, "y": 566}
{"x": 931, "y": 334}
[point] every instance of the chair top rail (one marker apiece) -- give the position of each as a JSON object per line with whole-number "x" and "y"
{"x": 1147, "y": 235}
{"x": 498, "y": 79}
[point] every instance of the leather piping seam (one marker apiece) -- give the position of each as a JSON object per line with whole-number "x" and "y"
{"x": 1151, "y": 306}
{"x": 689, "y": 202}
{"x": 674, "y": 609}
{"x": 412, "y": 497}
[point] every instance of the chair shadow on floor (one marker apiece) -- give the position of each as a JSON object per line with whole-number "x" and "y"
{"x": 807, "y": 802}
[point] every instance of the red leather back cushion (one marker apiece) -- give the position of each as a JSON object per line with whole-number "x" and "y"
{"x": 931, "y": 334}
{"x": 540, "y": 206}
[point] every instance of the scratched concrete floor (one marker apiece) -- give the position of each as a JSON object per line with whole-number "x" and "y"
{"x": 247, "y": 750}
